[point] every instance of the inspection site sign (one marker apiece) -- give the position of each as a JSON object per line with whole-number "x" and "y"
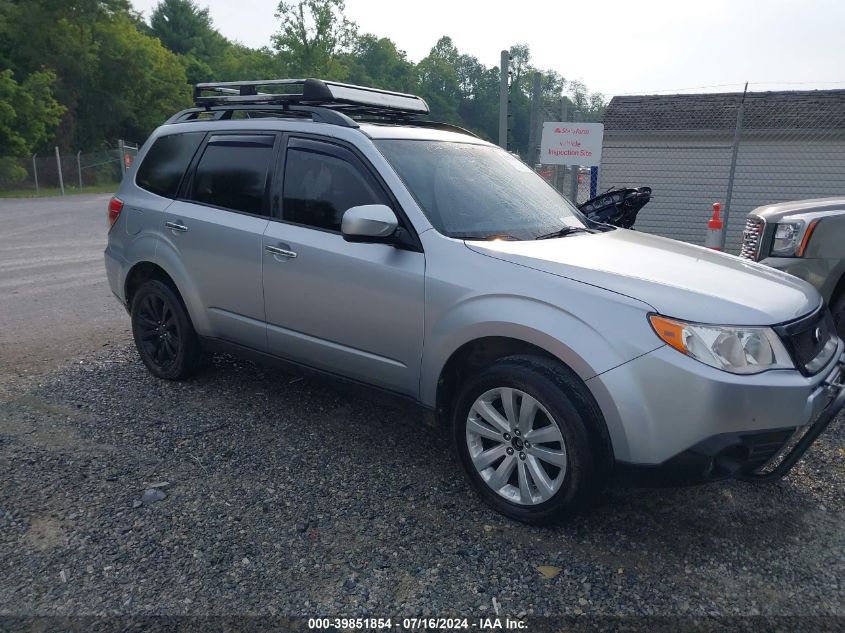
{"x": 571, "y": 144}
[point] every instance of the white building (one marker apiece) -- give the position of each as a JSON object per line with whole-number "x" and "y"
{"x": 792, "y": 146}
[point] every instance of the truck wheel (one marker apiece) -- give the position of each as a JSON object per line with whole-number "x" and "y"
{"x": 838, "y": 311}
{"x": 523, "y": 443}
{"x": 163, "y": 333}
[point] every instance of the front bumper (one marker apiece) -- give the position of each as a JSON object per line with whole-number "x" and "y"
{"x": 666, "y": 410}
{"x": 758, "y": 456}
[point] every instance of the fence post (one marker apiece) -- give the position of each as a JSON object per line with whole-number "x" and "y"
{"x": 503, "y": 99}
{"x": 737, "y": 137}
{"x": 533, "y": 142}
{"x": 573, "y": 185}
{"x": 594, "y": 181}
{"x": 35, "y": 173}
{"x": 121, "y": 148}
{"x": 561, "y": 169}
{"x": 79, "y": 168}
{"x": 59, "y": 168}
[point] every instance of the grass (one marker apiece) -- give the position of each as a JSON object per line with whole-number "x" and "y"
{"x": 49, "y": 192}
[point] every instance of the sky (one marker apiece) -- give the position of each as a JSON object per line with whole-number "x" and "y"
{"x": 613, "y": 46}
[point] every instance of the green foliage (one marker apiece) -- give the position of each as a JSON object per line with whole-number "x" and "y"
{"x": 186, "y": 29}
{"x": 117, "y": 77}
{"x": 141, "y": 84}
{"x": 313, "y": 37}
{"x": 28, "y": 117}
{"x": 113, "y": 80}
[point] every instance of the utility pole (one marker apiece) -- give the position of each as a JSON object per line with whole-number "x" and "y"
{"x": 732, "y": 172}
{"x": 503, "y": 99}
{"x": 533, "y": 141}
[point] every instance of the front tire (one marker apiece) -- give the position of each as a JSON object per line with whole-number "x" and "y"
{"x": 523, "y": 443}
{"x": 163, "y": 333}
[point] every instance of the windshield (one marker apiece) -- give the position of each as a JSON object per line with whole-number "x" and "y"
{"x": 478, "y": 191}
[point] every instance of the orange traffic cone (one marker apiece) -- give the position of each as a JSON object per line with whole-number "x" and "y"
{"x": 714, "y": 229}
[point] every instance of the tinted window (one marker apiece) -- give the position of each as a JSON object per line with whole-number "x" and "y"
{"x": 319, "y": 188}
{"x": 166, "y": 161}
{"x": 232, "y": 172}
{"x": 478, "y": 191}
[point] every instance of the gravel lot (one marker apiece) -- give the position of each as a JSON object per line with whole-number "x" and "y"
{"x": 286, "y": 497}
{"x": 282, "y": 496}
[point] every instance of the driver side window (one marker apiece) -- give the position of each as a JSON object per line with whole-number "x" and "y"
{"x": 320, "y": 187}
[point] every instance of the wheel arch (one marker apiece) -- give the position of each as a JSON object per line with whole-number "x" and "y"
{"x": 171, "y": 273}
{"x": 483, "y": 351}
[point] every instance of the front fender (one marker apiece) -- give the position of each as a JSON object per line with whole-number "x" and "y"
{"x": 586, "y": 348}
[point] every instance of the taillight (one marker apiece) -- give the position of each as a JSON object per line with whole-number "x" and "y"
{"x": 115, "y": 207}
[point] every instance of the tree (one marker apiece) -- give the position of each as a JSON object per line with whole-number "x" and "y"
{"x": 187, "y": 30}
{"x": 313, "y": 38}
{"x": 375, "y": 61}
{"x": 140, "y": 84}
{"x": 241, "y": 63}
{"x": 437, "y": 81}
{"x": 28, "y": 116}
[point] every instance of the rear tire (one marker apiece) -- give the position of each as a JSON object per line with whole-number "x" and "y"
{"x": 542, "y": 466}
{"x": 163, "y": 332}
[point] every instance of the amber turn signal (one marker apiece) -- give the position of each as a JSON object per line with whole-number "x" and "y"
{"x": 670, "y": 332}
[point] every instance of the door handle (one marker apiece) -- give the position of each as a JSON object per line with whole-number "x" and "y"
{"x": 275, "y": 250}
{"x": 175, "y": 226}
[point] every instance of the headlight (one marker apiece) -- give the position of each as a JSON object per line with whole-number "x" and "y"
{"x": 739, "y": 350}
{"x": 791, "y": 238}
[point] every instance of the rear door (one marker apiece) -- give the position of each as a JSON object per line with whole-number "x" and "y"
{"x": 217, "y": 226}
{"x": 351, "y": 309}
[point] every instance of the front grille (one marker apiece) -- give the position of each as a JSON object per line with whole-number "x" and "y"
{"x": 751, "y": 237}
{"x": 810, "y": 340}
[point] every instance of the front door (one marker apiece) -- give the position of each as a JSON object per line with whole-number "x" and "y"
{"x": 351, "y": 309}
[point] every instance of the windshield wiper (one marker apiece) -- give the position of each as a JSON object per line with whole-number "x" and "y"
{"x": 483, "y": 238}
{"x": 567, "y": 230}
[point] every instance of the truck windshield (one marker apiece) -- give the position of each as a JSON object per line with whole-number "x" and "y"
{"x": 479, "y": 192}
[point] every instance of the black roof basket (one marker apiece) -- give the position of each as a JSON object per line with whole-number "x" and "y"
{"x": 354, "y": 100}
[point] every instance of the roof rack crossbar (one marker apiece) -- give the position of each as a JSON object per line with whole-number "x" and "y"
{"x": 313, "y": 92}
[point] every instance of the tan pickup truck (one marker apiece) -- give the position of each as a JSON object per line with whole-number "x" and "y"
{"x": 805, "y": 238}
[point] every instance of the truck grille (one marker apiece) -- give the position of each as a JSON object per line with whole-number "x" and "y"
{"x": 810, "y": 340}
{"x": 751, "y": 238}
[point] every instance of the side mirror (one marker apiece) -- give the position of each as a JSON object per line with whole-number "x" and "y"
{"x": 369, "y": 223}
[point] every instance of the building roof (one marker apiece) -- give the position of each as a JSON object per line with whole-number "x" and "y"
{"x": 794, "y": 109}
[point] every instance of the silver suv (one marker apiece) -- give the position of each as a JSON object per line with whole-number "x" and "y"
{"x": 333, "y": 228}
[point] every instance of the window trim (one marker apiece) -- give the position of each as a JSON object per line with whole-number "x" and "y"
{"x": 187, "y": 184}
{"x": 364, "y": 165}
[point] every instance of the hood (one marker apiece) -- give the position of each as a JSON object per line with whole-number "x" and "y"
{"x": 776, "y": 212}
{"x": 677, "y": 279}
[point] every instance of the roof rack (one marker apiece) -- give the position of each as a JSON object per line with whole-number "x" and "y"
{"x": 322, "y": 101}
{"x": 356, "y": 100}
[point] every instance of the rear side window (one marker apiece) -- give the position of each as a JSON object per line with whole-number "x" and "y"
{"x": 232, "y": 172}
{"x": 166, "y": 162}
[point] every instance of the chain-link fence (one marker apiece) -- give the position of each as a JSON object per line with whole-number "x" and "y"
{"x": 68, "y": 173}
{"x": 742, "y": 150}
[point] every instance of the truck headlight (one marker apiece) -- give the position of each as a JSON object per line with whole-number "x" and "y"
{"x": 791, "y": 238}
{"x": 739, "y": 350}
